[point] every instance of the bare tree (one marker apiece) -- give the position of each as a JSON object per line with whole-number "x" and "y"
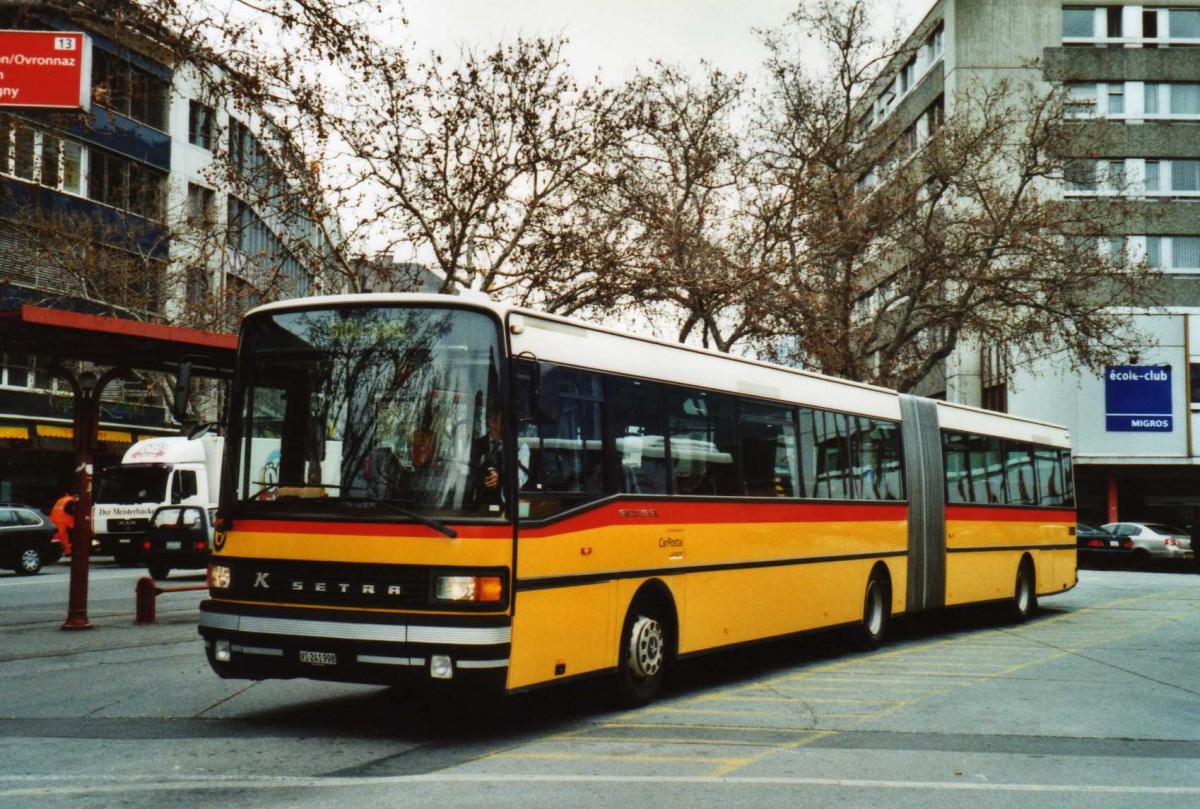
{"x": 895, "y": 245}
{"x": 666, "y": 228}
{"x": 477, "y": 167}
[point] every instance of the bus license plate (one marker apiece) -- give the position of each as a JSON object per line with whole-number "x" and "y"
{"x": 174, "y": 545}
{"x": 319, "y": 658}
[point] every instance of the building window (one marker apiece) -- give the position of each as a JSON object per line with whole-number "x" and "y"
{"x": 1081, "y": 100}
{"x": 1079, "y": 23}
{"x": 1114, "y": 22}
{"x": 1185, "y": 99}
{"x": 126, "y": 184}
{"x": 121, "y": 86}
{"x": 14, "y": 372}
{"x": 1116, "y": 99}
{"x": 1150, "y": 24}
{"x": 1153, "y": 176}
{"x": 200, "y": 125}
{"x": 201, "y": 201}
{"x": 1080, "y": 175}
{"x": 1185, "y": 175}
{"x": 30, "y": 154}
{"x": 1194, "y": 386}
{"x": 24, "y": 149}
{"x": 1173, "y": 253}
{"x": 1183, "y": 24}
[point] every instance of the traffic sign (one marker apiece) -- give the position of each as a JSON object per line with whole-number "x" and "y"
{"x": 45, "y": 69}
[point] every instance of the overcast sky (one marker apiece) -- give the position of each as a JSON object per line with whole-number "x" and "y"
{"x": 615, "y": 36}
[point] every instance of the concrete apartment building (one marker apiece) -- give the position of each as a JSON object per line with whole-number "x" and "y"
{"x": 170, "y": 230}
{"x": 1136, "y": 427}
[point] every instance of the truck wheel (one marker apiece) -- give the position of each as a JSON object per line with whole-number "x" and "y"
{"x": 158, "y": 571}
{"x": 29, "y": 562}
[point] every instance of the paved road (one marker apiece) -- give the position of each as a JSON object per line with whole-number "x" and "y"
{"x": 1094, "y": 704}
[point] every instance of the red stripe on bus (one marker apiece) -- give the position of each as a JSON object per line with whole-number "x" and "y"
{"x": 1008, "y": 514}
{"x": 613, "y": 514}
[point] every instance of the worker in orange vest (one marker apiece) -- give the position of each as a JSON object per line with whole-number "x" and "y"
{"x": 63, "y": 516}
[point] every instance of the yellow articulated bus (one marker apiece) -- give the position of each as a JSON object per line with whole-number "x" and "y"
{"x": 424, "y": 488}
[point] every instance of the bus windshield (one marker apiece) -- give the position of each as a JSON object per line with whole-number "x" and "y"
{"x": 143, "y": 483}
{"x": 365, "y": 412}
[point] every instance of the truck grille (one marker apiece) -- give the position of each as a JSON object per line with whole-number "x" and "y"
{"x": 116, "y": 525}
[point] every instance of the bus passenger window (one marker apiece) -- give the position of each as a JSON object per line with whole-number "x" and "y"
{"x": 832, "y": 478}
{"x": 875, "y": 459}
{"x": 1068, "y": 477}
{"x": 565, "y": 462}
{"x": 1019, "y": 474}
{"x": 770, "y": 461}
{"x": 958, "y": 469}
{"x": 703, "y": 443}
{"x": 1049, "y": 477}
{"x": 638, "y": 434}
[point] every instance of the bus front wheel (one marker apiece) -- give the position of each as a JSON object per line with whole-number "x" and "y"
{"x": 641, "y": 663}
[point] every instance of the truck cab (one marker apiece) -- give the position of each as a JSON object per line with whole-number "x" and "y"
{"x": 171, "y": 470}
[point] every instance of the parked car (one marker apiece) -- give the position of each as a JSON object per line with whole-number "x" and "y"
{"x": 1100, "y": 547}
{"x": 1154, "y": 540}
{"x": 178, "y": 537}
{"x": 26, "y": 539}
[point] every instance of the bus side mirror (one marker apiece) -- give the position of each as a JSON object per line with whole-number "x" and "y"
{"x": 183, "y": 384}
{"x": 547, "y": 393}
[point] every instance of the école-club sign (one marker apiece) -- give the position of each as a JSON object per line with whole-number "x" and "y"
{"x": 1137, "y": 399}
{"x": 44, "y": 69}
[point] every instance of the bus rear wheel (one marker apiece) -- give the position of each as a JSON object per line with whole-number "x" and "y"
{"x": 877, "y": 611}
{"x": 1025, "y": 594}
{"x": 641, "y": 663}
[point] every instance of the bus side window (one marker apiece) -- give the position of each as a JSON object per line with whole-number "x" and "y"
{"x": 638, "y": 434}
{"x": 1068, "y": 478}
{"x": 832, "y": 477}
{"x": 1019, "y": 474}
{"x": 958, "y": 468}
{"x": 1049, "y": 476}
{"x": 770, "y": 461}
{"x": 875, "y": 450}
{"x": 703, "y": 443}
{"x": 565, "y": 461}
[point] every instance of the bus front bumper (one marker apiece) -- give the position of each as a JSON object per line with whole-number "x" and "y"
{"x": 266, "y": 642}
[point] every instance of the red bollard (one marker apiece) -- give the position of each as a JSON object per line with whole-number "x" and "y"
{"x": 146, "y": 592}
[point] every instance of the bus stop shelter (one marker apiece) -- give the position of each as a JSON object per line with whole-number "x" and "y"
{"x": 120, "y": 347}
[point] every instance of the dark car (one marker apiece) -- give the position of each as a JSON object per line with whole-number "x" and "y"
{"x": 1098, "y": 546}
{"x": 26, "y": 539}
{"x": 178, "y": 537}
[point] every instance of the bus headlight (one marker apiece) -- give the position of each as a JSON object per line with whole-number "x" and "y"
{"x": 220, "y": 577}
{"x": 468, "y": 588}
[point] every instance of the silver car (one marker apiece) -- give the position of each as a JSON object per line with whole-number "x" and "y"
{"x": 1154, "y": 540}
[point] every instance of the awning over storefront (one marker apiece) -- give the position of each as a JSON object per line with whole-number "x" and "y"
{"x": 115, "y": 342}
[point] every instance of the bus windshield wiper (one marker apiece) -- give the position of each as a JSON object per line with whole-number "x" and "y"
{"x": 428, "y": 522}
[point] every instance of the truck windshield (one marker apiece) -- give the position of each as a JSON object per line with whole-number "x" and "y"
{"x": 143, "y": 483}
{"x": 366, "y": 411}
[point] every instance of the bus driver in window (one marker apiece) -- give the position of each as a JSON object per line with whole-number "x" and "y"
{"x": 487, "y": 462}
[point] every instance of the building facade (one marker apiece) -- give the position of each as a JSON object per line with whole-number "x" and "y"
{"x": 160, "y": 201}
{"x": 1135, "y": 68}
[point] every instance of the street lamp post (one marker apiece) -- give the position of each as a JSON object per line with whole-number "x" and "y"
{"x": 87, "y": 389}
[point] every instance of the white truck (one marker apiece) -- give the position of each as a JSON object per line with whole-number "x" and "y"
{"x": 171, "y": 470}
